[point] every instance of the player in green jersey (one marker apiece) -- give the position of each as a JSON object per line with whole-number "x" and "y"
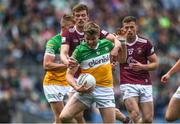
{"x": 55, "y": 85}
{"x": 93, "y": 56}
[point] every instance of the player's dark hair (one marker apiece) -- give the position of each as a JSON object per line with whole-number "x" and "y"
{"x": 80, "y": 7}
{"x": 91, "y": 28}
{"x": 128, "y": 19}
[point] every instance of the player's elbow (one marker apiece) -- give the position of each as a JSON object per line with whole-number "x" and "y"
{"x": 46, "y": 65}
{"x": 155, "y": 66}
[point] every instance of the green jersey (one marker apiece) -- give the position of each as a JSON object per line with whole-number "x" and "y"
{"x": 96, "y": 61}
{"x": 55, "y": 77}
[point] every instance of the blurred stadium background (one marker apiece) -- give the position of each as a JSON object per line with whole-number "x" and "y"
{"x": 26, "y": 25}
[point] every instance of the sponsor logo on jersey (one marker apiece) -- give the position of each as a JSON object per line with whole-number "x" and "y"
{"x": 63, "y": 39}
{"x": 139, "y": 51}
{"x": 97, "y": 61}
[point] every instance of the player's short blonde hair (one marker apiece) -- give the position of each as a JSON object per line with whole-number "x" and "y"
{"x": 65, "y": 19}
{"x": 91, "y": 29}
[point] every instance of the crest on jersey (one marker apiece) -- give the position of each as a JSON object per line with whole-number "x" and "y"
{"x": 106, "y": 48}
{"x": 98, "y": 53}
{"x": 139, "y": 51}
{"x": 130, "y": 51}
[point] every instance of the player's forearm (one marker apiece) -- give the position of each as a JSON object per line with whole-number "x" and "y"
{"x": 53, "y": 66}
{"x": 123, "y": 53}
{"x": 71, "y": 80}
{"x": 174, "y": 69}
{"x": 151, "y": 66}
{"x": 64, "y": 58}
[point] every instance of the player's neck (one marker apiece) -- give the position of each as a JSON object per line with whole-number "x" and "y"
{"x": 79, "y": 29}
{"x": 131, "y": 40}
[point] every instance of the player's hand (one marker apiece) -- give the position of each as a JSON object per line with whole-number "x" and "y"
{"x": 165, "y": 78}
{"x": 72, "y": 63}
{"x": 121, "y": 33}
{"x": 83, "y": 89}
{"x": 136, "y": 66}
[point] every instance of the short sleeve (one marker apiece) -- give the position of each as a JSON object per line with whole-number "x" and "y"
{"x": 149, "y": 49}
{"x": 50, "y": 48}
{"x": 66, "y": 39}
{"x": 103, "y": 34}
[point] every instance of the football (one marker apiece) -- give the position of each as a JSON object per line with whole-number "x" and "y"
{"x": 91, "y": 81}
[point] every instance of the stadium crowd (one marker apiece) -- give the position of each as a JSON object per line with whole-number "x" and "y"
{"x": 26, "y": 25}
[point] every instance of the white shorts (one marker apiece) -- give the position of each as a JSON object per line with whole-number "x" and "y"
{"x": 177, "y": 93}
{"x": 144, "y": 92}
{"x": 72, "y": 90}
{"x": 55, "y": 93}
{"x": 102, "y": 96}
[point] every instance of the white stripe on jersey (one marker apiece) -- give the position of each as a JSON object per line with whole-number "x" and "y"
{"x": 95, "y": 62}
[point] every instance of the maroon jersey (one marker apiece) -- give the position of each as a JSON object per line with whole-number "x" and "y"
{"x": 139, "y": 50}
{"x": 74, "y": 38}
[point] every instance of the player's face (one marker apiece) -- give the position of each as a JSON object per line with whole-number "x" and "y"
{"x": 92, "y": 40}
{"x": 131, "y": 29}
{"x": 67, "y": 26}
{"x": 81, "y": 18}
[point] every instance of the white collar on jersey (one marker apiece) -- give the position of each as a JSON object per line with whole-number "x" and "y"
{"x": 130, "y": 44}
{"x": 80, "y": 33}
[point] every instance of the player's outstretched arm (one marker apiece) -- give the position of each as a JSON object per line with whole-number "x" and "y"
{"x": 70, "y": 76}
{"x": 173, "y": 70}
{"x": 121, "y": 37}
{"x": 117, "y": 45}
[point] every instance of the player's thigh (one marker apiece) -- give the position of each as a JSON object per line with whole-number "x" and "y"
{"x": 147, "y": 109}
{"x": 131, "y": 104}
{"x": 57, "y": 107}
{"x": 73, "y": 107}
{"x": 173, "y": 110}
{"x": 108, "y": 114}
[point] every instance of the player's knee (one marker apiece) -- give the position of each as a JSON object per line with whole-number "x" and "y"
{"x": 148, "y": 119}
{"x": 135, "y": 115}
{"x": 169, "y": 118}
{"x": 65, "y": 118}
{"x": 80, "y": 118}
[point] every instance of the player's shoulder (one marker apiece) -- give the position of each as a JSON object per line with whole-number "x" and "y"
{"x": 69, "y": 31}
{"x": 54, "y": 40}
{"x": 105, "y": 41}
{"x": 143, "y": 39}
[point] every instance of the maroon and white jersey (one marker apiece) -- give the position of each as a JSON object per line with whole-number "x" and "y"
{"x": 74, "y": 38}
{"x": 139, "y": 50}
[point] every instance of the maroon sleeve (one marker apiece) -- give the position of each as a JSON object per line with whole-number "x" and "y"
{"x": 66, "y": 39}
{"x": 149, "y": 49}
{"x": 103, "y": 34}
